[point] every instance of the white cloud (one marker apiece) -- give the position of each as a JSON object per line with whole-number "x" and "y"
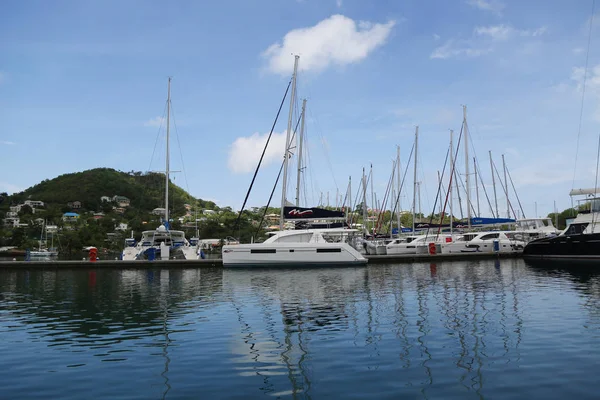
{"x": 505, "y": 32}
{"x": 245, "y": 152}
{"x": 10, "y": 188}
{"x": 578, "y": 50}
{"x": 436, "y": 36}
{"x": 458, "y": 48}
{"x": 494, "y": 6}
{"x": 337, "y": 40}
{"x": 7, "y": 142}
{"x": 592, "y": 85}
{"x": 155, "y": 122}
{"x": 482, "y": 41}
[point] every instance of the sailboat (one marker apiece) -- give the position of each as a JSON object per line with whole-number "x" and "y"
{"x": 42, "y": 251}
{"x": 162, "y": 243}
{"x": 297, "y": 247}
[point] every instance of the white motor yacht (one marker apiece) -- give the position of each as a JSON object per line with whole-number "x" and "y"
{"x": 485, "y": 242}
{"x": 307, "y": 247}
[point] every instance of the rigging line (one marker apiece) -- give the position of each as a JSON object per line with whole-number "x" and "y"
{"x": 385, "y": 198}
{"x": 275, "y": 185}
{"x": 262, "y": 156}
{"x": 587, "y": 56}
{"x": 439, "y": 195}
{"x": 404, "y": 178}
{"x": 326, "y": 150}
{"x": 515, "y": 190}
{"x": 162, "y": 119}
{"x": 483, "y": 185}
{"x": 595, "y": 188}
{"x": 452, "y": 175}
{"x": 505, "y": 192}
{"x": 187, "y": 187}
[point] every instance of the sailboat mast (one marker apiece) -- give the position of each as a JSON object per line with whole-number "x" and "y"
{"x": 476, "y": 186}
{"x": 467, "y": 181}
{"x": 494, "y": 185}
{"x": 506, "y": 186}
{"x": 364, "y": 207}
{"x": 414, "y": 205}
{"x": 373, "y": 199}
{"x": 287, "y": 144}
{"x": 167, "y": 157}
{"x": 451, "y": 175}
{"x": 399, "y": 184}
{"x": 300, "y": 142}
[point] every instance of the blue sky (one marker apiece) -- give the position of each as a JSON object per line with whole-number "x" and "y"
{"x": 83, "y": 85}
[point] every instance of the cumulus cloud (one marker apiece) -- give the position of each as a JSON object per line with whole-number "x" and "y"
{"x": 245, "y": 152}
{"x": 10, "y": 188}
{"x": 155, "y": 122}
{"x": 337, "y": 40}
{"x": 493, "y": 6}
{"x": 7, "y": 142}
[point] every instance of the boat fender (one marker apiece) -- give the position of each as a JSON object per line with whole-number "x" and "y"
{"x": 432, "y": 249}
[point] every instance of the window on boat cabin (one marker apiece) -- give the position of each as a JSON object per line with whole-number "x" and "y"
{"x": 299, "y": 238}
{"x": 329, "y": 250}
{"x": 575, "y": 229}
{"x": 490, "y": 236}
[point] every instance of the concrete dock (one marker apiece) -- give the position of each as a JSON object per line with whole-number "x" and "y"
{"x": 218, "y": 263}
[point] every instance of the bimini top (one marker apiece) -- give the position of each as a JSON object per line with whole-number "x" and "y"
{"x": 584, "y": 192}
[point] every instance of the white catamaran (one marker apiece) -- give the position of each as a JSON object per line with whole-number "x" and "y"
{"x": 298, "y": 247}
{"x": 162, "y": 243}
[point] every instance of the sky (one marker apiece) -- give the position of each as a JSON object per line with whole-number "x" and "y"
{"x": 83, "y": 84}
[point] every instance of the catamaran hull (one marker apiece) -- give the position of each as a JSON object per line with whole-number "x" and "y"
{"x": 294, "y": 254}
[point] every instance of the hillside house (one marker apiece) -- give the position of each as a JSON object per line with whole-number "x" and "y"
{"x": 119, "y": 210}
{"x": 76, "y": 205}
{"x": 158, "y": 211}
{"x": 98, "y": 215}
{"x": 208, "y": 212}
{"x": 34, "y": 203}
{"x": 16, "y": 209}
{"x": 70, "y": 217}
{"x": 12, "y": 214}
{"x": 121, "y": 227}
{"x": 105, "y": 199}
{"x": 121, "y": 201}
{"x": 12, "y": 222}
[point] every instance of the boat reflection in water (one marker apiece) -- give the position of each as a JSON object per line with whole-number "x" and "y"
{"x": 443, "y": 330}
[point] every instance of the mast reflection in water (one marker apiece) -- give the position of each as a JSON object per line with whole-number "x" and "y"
{"x": 448, "y": 330}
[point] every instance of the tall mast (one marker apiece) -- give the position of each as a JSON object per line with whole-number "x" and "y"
{"x": 476, "y": 186}
{"x": 287, "y": 144}
{"x": 167, "y": 158}
{"x": 349, "y": 207}
{"x": 300, "y": 142}
{"x": 414, "y": 207}
{"x": 466, "y": 133}
{"x": 373, "y": 199}
{"x": 506, "y": 189}
{"x": 494, "y": 185}
{"x": 451, "y": 175}
{"x": 398, "y": 189}
{"x": 364, "y": 207}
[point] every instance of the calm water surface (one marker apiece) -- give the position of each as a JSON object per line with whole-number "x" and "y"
{"x": 485, "y": 329}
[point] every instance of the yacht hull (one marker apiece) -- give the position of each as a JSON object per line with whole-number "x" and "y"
{"x": 291, "y": 254}
{"x": 572, "y": 247}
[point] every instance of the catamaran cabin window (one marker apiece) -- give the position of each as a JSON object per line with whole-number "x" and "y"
{"x": 262, "y": 251}
{"x": 326, "y": 250}
{"x": 490, "y": 236}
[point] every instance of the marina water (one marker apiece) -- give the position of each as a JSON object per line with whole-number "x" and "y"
{"x": 460, "y": 330}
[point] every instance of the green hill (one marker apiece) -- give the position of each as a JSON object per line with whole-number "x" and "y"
{"x": 145, "y": 191}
